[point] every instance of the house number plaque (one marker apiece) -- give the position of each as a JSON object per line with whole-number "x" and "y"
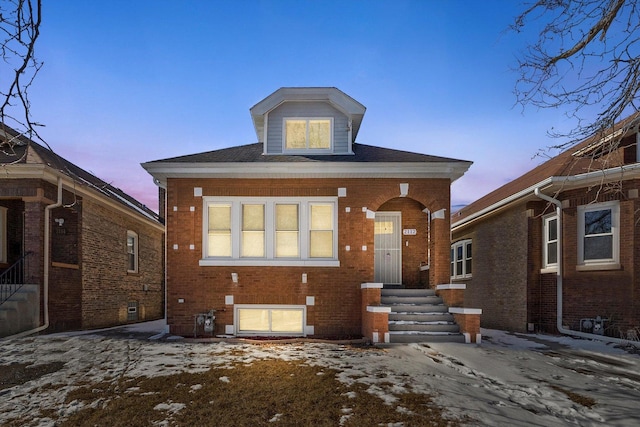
{"x": 409, "y": 232}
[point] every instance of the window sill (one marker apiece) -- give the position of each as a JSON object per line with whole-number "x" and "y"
{"x": 268, "y": 263}
{"x": 548, "y": 270}
{"x": 598, "y": 267}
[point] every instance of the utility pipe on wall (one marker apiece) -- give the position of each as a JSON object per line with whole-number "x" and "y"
{"x": 46, "y": 262}
{"x": 559, "y": 273}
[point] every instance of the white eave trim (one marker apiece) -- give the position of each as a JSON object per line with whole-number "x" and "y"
{"x": 555, "y": 183}
{"x": 447, "y": 170}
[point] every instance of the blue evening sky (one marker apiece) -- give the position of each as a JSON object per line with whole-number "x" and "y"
{"x": 130, "y": 81}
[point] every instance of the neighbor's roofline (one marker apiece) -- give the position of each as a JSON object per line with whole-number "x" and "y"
{"x": 51, "y": 175}
{"x": 553, "y": 184}
{"x": 448, "y": 170}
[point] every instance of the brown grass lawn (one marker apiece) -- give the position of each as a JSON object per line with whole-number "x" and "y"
{"x": 266, "y": 392}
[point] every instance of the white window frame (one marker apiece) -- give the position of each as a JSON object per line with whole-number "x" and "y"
{"x": 464, "y": 259}
{"x": 546, "y": 221}
{"x": 134, "y": 236}
{"x": 307, "y": 149}
{"x": 605, "y": 263}
{"x": 270, "y": 259}
{"x": 236, "y": 319}
{"x": 3, "y": 234}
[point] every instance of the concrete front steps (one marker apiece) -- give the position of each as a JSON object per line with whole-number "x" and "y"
{"x": 419, "y": 315}
{"x": 21, "y": 311}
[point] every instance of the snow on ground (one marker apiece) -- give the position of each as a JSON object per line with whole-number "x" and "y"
{"x": 518, "y": 380}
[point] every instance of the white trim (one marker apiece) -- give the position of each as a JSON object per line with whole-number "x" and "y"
{"x": 321, "y": 169}
{"x": 462, "y": 310}
{"x": 378, "y": 309}
{"x": 251, "y": 262}
{"x": 371, "y": 285}
{"x": 451, "y": 286}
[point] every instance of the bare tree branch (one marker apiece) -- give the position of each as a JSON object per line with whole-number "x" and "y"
{"x": 585, "y": 62}
{"x": 19, "y": 31}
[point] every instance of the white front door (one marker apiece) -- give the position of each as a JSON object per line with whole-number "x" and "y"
{"x": 388, "y": 248}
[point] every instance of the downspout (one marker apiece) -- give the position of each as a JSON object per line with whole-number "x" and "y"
{"x": 47, "y": 239}
{"x": 559, "y": 275}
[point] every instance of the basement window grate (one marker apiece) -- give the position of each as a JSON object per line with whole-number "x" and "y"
{"x": 132, "y": 310}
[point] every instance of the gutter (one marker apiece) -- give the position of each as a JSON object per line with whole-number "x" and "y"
{"x": 47, "y": 255}
{"x": 559, "y": 276}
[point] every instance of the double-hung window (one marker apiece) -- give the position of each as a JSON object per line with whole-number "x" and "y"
{"x": 307, "y": 133}
{"x": 550, "y": 242}
{"x": 599, "y": 234}
{"x": 461, "y": 259}
{"x": 132, "y": 252}
{"x": 270, "y": 231}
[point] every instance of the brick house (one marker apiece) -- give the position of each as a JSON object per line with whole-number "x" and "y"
{"x": 75, "y": 252}
{"x": 296, "y": 234}
{"x": 579, "y": 207}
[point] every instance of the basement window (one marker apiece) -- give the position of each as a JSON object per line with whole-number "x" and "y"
{"x": 132, "y": 311}
{"x": 270, "y": 320}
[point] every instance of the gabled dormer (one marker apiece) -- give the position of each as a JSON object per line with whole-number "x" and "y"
{"x": 307, "y": 120}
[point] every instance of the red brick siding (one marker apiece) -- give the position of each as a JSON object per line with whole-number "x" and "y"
{"x": 499, "y": 282}
{"x": 106, "y": 285}
{"x": 337, "y": 309}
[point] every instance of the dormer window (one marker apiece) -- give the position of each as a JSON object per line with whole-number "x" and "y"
{"x": 308, "y": 134}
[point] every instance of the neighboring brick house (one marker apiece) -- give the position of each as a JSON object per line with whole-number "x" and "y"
{"x": 505, "y": 245}
{"x": 75, "y": 252}
{"x": 286, "y": 235}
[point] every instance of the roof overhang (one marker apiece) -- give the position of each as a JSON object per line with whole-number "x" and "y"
{"x": 444, "y": 170}
{"x": 51, "y": 175}
{"x": 338, "y": 99}
{"x": 552, "y": 186}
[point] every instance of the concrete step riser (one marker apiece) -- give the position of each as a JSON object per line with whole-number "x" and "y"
{"x": 410, "y": 300}
{"x": 408, "y": 308}
{"x": 409, "y": 292}
{"x": 422, "y": 317}
{"x": 415, "y": 338}
{"x": 452, "y": 328}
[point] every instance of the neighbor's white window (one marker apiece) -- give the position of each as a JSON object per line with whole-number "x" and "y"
{"x": 132, "y": 251}
{"x": 3, "y": 234}
{"x": 550, "y": 242}
{"x": 270, "y": 231}
{"x": 461, "y": 259}
{"x": 307, "y": 133}
{"x": 599, "y": 233}
{"x": 272, "y": 320}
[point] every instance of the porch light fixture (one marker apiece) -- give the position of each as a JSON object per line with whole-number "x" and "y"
{"x": 234, "y": 277}
{"x": 404, "y": 189}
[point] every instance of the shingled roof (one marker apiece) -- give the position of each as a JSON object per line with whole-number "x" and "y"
{"x": 252, "y": 153}
{"x": 583, "y": 158}
{"x": 26, "y": 151}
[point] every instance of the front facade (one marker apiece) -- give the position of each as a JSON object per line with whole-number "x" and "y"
{"x": 557, "y": 249}
{"x": 75, "y": 252}
{"x": 278, "y": 237}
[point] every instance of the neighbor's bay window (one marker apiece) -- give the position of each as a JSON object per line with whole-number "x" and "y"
{"x": 307, "y": 133}
{"x": 270, "y": 231}
{"x": 599, "y": 234}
